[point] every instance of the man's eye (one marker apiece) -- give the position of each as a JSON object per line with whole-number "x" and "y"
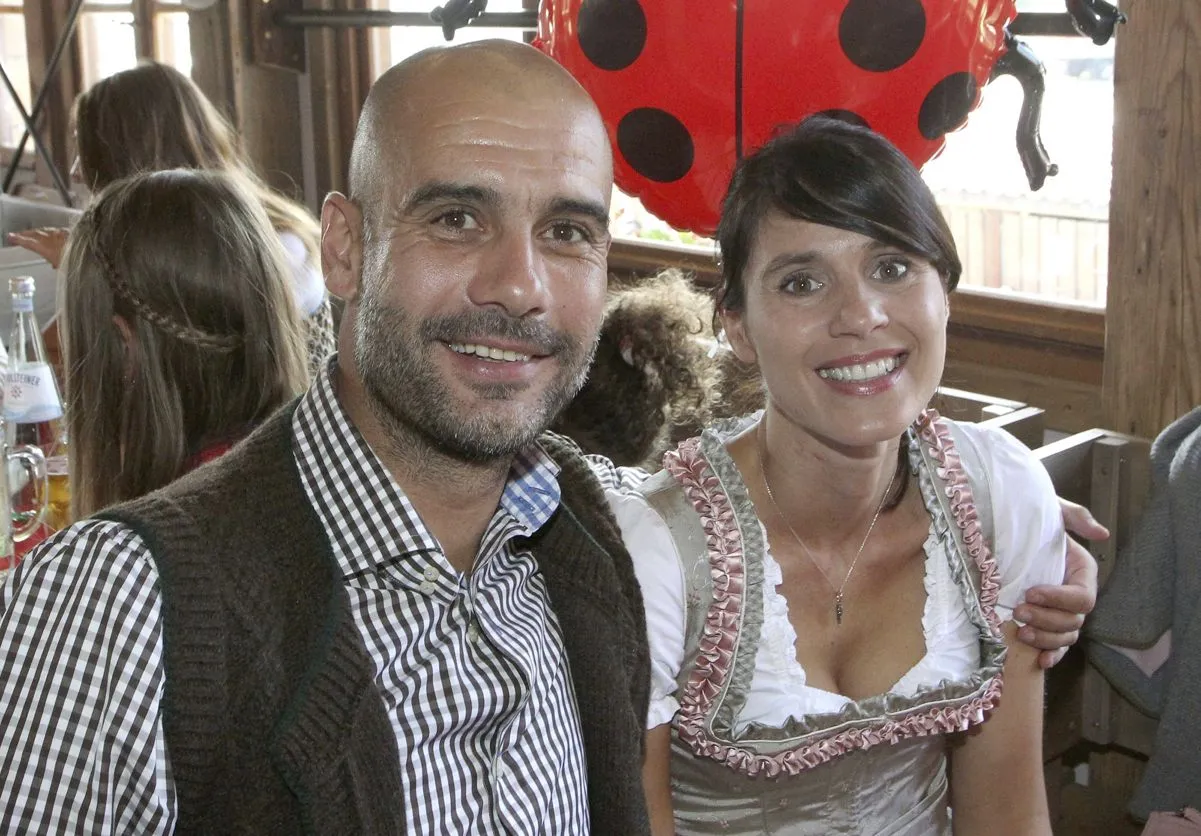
{"x": 569, "y": 233}
{"x": 456, "y": 219}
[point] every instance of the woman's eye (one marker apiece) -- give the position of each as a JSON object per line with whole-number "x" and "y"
{"x": 800, "y": 285}
{"x": 892, "y": 270}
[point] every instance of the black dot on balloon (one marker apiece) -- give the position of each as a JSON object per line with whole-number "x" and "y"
{"x": 612, "y": 33}
{"x": 655, "y": 144}
{"x": 946, "y": 105}
{"x": 881, "y": 35}
{"x": 841, "y": 115}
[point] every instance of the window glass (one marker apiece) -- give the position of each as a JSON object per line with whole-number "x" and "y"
{"x": 14, "y": 54}
{"x": 1052, "y": 243}
{"x": 106, "y": 43}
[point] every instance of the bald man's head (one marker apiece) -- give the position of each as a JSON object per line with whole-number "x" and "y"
{"x": 491, "y": 75}
{"x": 473, "y": 255}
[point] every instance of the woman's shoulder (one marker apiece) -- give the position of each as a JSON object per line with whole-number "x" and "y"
{"x": 993, "y": 453}
{"x": 1023, "y": 510}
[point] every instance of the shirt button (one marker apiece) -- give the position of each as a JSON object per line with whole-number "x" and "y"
{"x": 430, "y": 572}
{"x": 427, "y": 588}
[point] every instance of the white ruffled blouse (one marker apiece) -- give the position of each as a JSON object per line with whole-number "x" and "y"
{"x": 1029, "y": 549}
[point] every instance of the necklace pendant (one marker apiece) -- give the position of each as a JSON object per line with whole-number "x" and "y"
{"x": 838, "y": 609}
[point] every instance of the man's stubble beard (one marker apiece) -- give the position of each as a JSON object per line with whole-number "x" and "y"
{"x": 412, "y": 402}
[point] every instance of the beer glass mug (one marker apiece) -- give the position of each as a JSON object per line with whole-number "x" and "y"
{"x": 15, "y": 527}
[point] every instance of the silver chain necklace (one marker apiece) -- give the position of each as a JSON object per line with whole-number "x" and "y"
{"x": 838, "y": 590}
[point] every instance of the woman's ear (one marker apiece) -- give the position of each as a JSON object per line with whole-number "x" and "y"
{"x": 733, "y": 324}
{"x": 131, "y": 346}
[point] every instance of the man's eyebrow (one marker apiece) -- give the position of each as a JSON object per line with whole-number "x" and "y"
{"x": 587, "y": 208}
{"x": 451, "y": 192}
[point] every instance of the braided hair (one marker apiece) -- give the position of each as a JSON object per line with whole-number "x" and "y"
{"x": 179, "y": 329}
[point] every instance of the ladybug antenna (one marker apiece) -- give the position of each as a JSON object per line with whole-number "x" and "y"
{"x": 1095, "y": 19}
{"x": 1020, "y": 62}
{"x": 457, "y": 13}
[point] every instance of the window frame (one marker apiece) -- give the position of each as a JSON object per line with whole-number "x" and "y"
{"x": 44, "y": 21}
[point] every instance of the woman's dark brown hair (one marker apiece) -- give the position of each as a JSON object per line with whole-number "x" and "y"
{"x": 830, "y": 172}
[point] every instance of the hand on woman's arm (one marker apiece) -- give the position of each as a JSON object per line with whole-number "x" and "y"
{"x": 1053, "y": 615}
{"x": 997, "y": 770}
{"x": 656, "y": 780}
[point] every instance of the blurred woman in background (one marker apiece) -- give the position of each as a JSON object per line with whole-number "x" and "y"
{"x": 153, "y": 117}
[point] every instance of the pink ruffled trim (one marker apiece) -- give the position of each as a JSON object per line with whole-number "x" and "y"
{"x": 936, "y": 434}
{"x": 718, "y": 642}
{"x": 719, "y": 633}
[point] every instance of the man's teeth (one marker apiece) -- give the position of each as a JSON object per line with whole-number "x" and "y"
{"x": 860, "y": 371}
{"x": 489, "y": 353}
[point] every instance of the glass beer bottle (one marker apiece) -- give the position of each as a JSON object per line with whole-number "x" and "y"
{"x": 33, "y": 414}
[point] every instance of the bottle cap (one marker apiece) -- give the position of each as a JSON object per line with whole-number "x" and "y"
{"x": 21, "y": 284}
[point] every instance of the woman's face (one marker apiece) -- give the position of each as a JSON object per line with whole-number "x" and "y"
{"x": 848, "y": 333}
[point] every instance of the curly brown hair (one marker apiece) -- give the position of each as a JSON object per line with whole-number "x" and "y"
{"x": 654, "y": 378}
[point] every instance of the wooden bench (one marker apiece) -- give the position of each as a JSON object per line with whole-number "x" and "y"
{"x": 1109, "y": 473}
{"x": 1026, "y": 423}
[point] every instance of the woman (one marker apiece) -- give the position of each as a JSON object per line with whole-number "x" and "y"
{"x": 153, "y": 117}
{"x": 830, "y": 582}
{"x": 181, "y": 331}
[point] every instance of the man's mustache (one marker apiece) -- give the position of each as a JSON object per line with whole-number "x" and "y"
{"x": 479, "y": 326}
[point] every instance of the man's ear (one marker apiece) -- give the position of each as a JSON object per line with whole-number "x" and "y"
{"x": 341, "y": 246}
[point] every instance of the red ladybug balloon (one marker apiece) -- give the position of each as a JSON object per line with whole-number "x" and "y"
{"x": 688, "y": 87}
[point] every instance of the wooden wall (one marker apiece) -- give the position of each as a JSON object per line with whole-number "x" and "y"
{"x": 1152, "y": 369}
{"x": 296, "y": 123}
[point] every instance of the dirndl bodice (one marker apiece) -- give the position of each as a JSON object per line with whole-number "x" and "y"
{"x": 878, "y": 765}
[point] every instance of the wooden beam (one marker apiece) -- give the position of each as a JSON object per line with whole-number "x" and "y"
{"x": 143, "y": 28}
{"x": 213, "y": 56}
{"x": 1152, "y": 370}
{"x": 339, "y": 74}
{"x": 44, "y": 20}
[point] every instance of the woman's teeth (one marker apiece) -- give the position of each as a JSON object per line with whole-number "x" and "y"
{"x": 860, "y": 371}
{"x": 488, "y": 353}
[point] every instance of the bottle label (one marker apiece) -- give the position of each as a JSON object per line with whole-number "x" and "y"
{"x": 56, "y": 466}
{"x": 30, "y": 394}
{"x": 22, "y": 304}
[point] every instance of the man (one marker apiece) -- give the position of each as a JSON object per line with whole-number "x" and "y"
{"x": 395, "y": 607}
{"x": 346, "y": 625}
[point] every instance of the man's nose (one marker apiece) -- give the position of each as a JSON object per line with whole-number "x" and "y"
{"x": 512, "y": 274}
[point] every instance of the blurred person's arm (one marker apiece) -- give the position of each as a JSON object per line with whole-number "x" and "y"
{"x": 47, "y": 242}
{"x": 81, "y": 735}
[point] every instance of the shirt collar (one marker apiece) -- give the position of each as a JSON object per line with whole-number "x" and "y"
{"x": 367, "y": 516}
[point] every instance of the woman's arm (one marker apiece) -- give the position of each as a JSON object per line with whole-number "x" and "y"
{"x": 997, "y": 772}
{"x": 656, "y": 780}
{"x": 1054, "y": 614}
